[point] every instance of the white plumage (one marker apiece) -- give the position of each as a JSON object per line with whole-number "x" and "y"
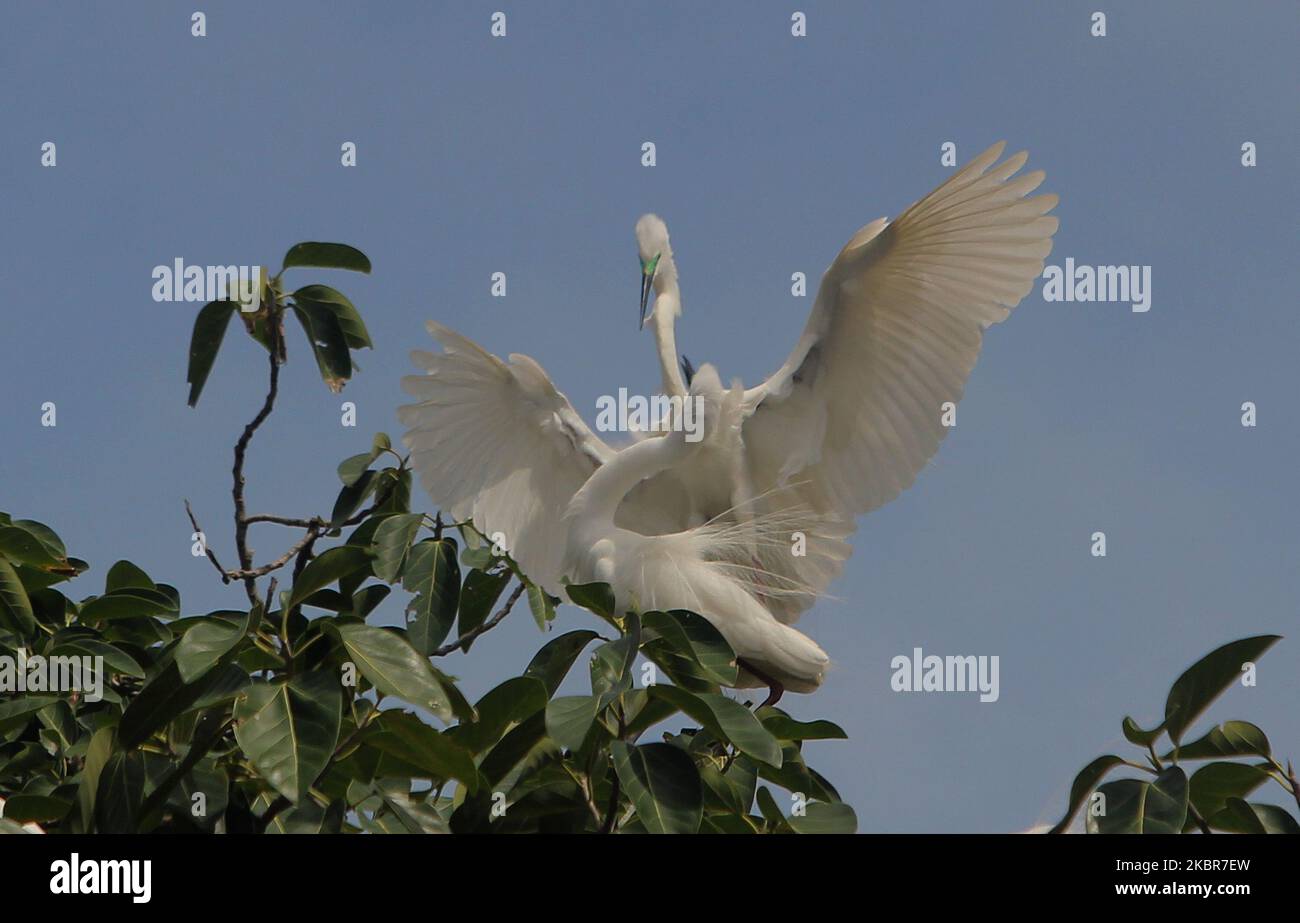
{"x": 842, "y": 427}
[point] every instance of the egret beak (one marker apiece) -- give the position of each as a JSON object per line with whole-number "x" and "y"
{"x": 648, "y": 268}
{"x": 647, "y": 283}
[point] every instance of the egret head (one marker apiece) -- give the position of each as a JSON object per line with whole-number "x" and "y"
{"x": 655, "y": 254}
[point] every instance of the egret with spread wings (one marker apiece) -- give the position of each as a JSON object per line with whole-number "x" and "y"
{"x": 842, "y": 427}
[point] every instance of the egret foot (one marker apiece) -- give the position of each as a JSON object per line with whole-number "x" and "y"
{"x": 774, "y": 689}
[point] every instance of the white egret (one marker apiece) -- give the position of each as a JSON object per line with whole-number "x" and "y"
{"x": 843, "y": 426}
{"x": 856, "y": 411}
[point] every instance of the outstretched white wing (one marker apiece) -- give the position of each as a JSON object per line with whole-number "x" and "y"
{"x": 856, "y": 411}
{"x": 495, "y": 443}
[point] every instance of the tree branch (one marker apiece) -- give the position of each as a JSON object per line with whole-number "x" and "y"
{"x": 225, "y": 578}
{"x": 241, "y": 448}
{"x": 485, "y": 627}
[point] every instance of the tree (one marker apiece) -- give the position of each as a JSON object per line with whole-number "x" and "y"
{"x": 293, "y": 714}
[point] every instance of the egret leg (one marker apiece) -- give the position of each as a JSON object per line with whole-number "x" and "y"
{"x": 774, "y": 689}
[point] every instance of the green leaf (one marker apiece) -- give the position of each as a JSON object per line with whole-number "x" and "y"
{"x": 98, "y": 752}
{"x": 824, "y": 818}
{"x": 1232, "y": 738}
{"x": 771, "y": 813}
{"x": 127, "y": 604}
{"x": 441, "y": 757}
{"x": 1205, "y": 681}
{"x": 166, "y": 696}
{"x": 352, "y": 496}
{"x": 327, "y": 256}
{"x": 1084, "y": 783}
{"x": 783, "y": 727}
{"x": 209, "y": 330}
{"x": 594, "y": 597}
{"x": 1214, "y": 783}
{"x": 351, "y": 468}
{"x": 542, "y": 605}
{"x": 663, "y": 784}
{"x": 328, "y": 343}
{"x": 695, "y": 638}
{"x": 569, "y": 719}
{"x": 1134, "y": 734}
{"x": 395, "y": 668}
{"x": 115, "y": 659}
{"x": 289, "y": 729}
{"x": 392, "y": 540}
{"x": 40, "y": 809}
{"x": 124, "y": 575}
{"x": 499, "y": 710}
{"x": 1243, "y": 817}
{"x": 327, "y": 567}
{"x": 25, "y": 705}
{"x": 354, "y": 328}
{"x": 1135, "y": 806}
{"x": 15, "y": 607}
{"x": 434, "y": 575}
{"x": 552, "y": 663}
{"x": 22, "y": 547}
{"x": 478, "y": 595}
{"x": 726, "y": 719}
{"x": 203, "y": 645}
{"x": 121, "y": 793}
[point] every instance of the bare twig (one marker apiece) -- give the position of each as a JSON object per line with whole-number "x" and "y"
{"x": 241, "y": 448}
{"x": 485, "y": 627}
{"x": 225, "y": 578}
{"x": 286, "y": 520}
{"x": 252, "y": 573}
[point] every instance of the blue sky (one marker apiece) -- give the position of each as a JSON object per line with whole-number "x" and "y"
{"x": 522, "y": 155}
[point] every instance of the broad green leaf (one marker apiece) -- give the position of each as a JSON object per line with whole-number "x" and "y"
{"x": 392, "y": 541}
{"x": 1232, "y": 738}
{"x": 552, "y": 663}
{"x": 499, "y": 710}
{"x": 327, "y": 256}
{"x": 388, "y": 660}
{"x": 203, "y": 646}
{"x": 351, "y": 468}
{"x": 98, "y": 752}
{"x": 15, "y": 608}
{"x": 22, "y": 547}
{"x": 1136, "y": 806}
{"x": 726, "y": 719}
{"x": 433, "y": 574}
{"x": 824, "y": 818}
{"x": 209, "y": 330}
{"x": 328, "y": 343}
{"x": 594, "y": 597}
{"x": 354, "y": 328}
{"x": 115, "y": 659}
{"x": 1134, "y": 734}
{"x": 326, "y": 568}
{"x": 166, "y": 696}
{"x": 771, "y": 812}
{"x": 124, "y": 575}
{"x": 1206, "y": 679}
{"x": 404, "y": 736}
{"x": 569, "y": 719}
{"x": 126, "y": 604}
{"x": 352, "y": 496}
{"x": 611, "y": 663}
{"x": 542, "y": 605}
{"x": 24, "y": 705}
{"x": 1214, "y": 783}
{"x": 695, "y": 638}
{"x": 1251, "y": 817}
{"x": 663, "y": 784}
{"x": 478, "y": 595}
{"x": 121, "y": 793}
{"x": 43, "y": 534}
{"x": 783, "y": 727}
{"x": 289, "y": 729}
{"x": 40, "y": 809}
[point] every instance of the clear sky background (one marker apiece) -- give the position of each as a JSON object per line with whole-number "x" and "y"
{"x": 522, "y": 155}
